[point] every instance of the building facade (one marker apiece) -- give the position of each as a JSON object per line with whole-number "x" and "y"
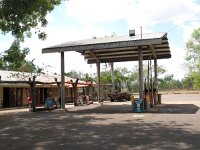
{"x": 15, "y": 88}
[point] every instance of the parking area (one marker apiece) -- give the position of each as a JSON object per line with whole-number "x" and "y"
{"x": 175, "y": 124}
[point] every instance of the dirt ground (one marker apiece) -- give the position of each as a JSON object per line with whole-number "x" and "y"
{"x": 175, "y": 124}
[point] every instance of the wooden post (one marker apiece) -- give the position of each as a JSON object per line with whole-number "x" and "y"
{"x": 141, "y": 85}
{"x": 62, "y": 80}
{"x": 58, "y": 98}
{"x": 33, "y": 96}
{"x": 74, "y": 88}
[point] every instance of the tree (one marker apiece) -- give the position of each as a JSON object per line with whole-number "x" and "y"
{"x": 196, "y": 76}
{"x": 75, "y": 94}
{"x": 187, "y": 82}
{"x": 88, "y": 77}
{"x": 14, "y": 58}
{"x": 133, "y": 80}
{"x": 192, "y": 59}
{"x": 80, "y": 75}
{"x": 169, "y": 83}
{"x": 29, "y": 66}
{"x": 121, "y": 79}
{"x": 74, "y": 74}
{"x": 20, "y": 16}
{"x": 161, "y": 70}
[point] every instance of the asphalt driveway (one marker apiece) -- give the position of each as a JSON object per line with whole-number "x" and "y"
{"x": 173, "y": 125}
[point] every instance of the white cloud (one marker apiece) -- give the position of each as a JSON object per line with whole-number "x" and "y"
{"x": 97, "y": 11}
{"x": 145, "y": 13}
{"x": 91, "y": 13}
{"x": 137, "y": 13}
{"x": 188, "y": 29}
{"x": 174, "y": 65}
{"x": 55, "y": 36}
{"x": 73, "y": 60}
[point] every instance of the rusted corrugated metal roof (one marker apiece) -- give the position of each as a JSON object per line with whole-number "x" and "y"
{"x": 118, "y": 48}
{"x": 24, "y": 76}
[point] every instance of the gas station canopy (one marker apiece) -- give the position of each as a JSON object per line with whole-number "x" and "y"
{"x": 118, "y": 48}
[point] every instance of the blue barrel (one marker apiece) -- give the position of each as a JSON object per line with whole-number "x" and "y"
{"x": 49, "y": 103}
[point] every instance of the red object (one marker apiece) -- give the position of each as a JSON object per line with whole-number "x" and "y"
{"x": 28, "y": 100}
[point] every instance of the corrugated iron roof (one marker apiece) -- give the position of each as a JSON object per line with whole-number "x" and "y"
{"x": 24, "y": 76}
{"x": 118, "y": 48}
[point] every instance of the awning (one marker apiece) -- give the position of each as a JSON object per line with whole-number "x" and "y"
{"x": 118, "y": 48}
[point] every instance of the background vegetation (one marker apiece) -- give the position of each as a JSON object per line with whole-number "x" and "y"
{"x": 22, "y": 18}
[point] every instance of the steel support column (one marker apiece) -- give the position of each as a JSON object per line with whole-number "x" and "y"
{"x": 141, "y": 82}
{"x": 155, "y": 81}
{"x": 155, "y": 70}
{"x": 62, "y": 80}
{"x": 113, "y": 77}
{"x": 98, "y": 80}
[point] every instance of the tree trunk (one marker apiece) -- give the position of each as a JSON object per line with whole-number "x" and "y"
{"x": 75, "y": 96}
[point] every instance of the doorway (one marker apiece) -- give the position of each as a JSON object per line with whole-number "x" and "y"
{"x": 6, "y": 97}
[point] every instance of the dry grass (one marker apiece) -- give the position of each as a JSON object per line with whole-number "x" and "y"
{"x": 180, "y": 92}
{"x": 177, "y": 92}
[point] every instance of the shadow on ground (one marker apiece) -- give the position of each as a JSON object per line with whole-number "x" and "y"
{"x": 63, "y": 130}
{"x": 175, "y": 109}
{"x": 104, "y": 109}
{"x": 124, "y": 108}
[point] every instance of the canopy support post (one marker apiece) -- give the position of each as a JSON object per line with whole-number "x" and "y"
{"x": 62, "y": 80}
{"x": 113, "y": 77}
{"x": 141, "y": 82}
{"x": 98, "y": 80}
{"x": 156, "y": 80}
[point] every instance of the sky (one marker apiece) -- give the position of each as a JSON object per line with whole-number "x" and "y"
{"x": 78, "y": 20}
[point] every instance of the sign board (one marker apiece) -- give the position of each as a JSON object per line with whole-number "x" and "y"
{"x": 138, "y": 105}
